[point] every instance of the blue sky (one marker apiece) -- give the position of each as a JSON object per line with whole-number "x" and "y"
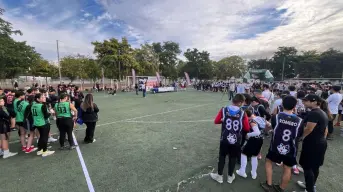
{"x": 250, "y": 28}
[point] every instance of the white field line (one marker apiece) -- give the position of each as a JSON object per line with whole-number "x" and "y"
{"x": 192, "y": 178}
{"x": 130, "y": 119}
{"x": 84, "y": 167}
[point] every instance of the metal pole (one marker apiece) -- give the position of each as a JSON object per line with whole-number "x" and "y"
{"x": 59, "y": 65}
{"x": 283, "y": 67}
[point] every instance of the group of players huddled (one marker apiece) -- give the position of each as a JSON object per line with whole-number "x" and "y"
{"x": 296, "y": 116}
{"x": 29, "y": 111}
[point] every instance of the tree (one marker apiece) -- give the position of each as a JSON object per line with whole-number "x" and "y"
{"x": 117, "y": 58}
{"x": 147, "y": 59}
{"x": 92, "y": 69}
{"x": 287, "y": 57}
{"x": 331, "y": 63}
{"x": 15, "y": 57}
{"x": 198, "y": 64}
{"x": 168, "y": 58}
{"x": 308, "y": 65}
{"x": 44, "y": 69}
{"x": 228, "y": 67}
{"x": 72, "y": 67}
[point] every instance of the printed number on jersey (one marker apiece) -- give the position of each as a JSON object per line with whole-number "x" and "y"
{"x": 232, "y": 124}
{"x": 62, "y": 109}
{"x": 286, "y": 135}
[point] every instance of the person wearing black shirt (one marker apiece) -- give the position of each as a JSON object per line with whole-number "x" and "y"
{"x": 7, "y": 121}
{"x": 314, "y": 143}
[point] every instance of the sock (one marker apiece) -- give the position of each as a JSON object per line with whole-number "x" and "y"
{"x": 6, "y": 152}
{"x": 244, "y": 161}
{"x": 254, "y": 164}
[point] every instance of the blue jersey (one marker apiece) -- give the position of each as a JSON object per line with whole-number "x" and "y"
{"x": 232, "y": 126}
{"x": 285, "y": 133}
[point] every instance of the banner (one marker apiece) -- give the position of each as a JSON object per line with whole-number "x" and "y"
{"x": 158, "y": 77}
{"x": 103, "y": 78}
{"x": 187, "y": 78}
{"x": 133, "y": 77}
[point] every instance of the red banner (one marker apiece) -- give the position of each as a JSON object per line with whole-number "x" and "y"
{"x": 187, "y": 78}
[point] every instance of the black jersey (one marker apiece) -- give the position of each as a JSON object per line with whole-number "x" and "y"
{"x": 285, "y": 133}
{"x": 232, "y": 127}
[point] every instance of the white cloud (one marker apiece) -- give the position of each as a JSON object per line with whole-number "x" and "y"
{"x": 87, "y": 15}
{"x": 307, "y": 24}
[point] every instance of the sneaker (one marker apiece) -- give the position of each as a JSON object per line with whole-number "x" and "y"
{"x": 277, "y": 188}
{"x": 1, "y": 153}
{"x": 9, "y": 154}
{"x": 217, "y": 177}
{"x": 23, "y": 148}
{"x": 230, "y": 179}
{"x": 40, "y": 152}
{"x": 296, "y": 171}
{"x": 47, "y": 153}
{"x": 62, "y": 148}
{"x": 266, "y": 187}
{"x": 300, "y": 169}
{"x": 31, "y": 149}
{"x": 72, "y": 147}
{"x": 253, "y": 175}
{"x": 93, "y": 141}
{"x": 301, "y": 184}
{"x": 51, "y": 140}
{"x": 241, "y": 173}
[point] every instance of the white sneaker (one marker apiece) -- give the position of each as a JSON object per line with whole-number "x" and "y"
{"x": 240, "y": 173}
{"x": 301, "y": 184}
{"x": 253, "y": 175}
{"x": 40, "y": 152}
{"x": 51, "y": 140}
{"x": 216, "y": 177}
{"x": 230, "y": 179}
{"x": 300, "y": 169}
{"x": 9, "y": 154}
{"x": 47, "y": 153}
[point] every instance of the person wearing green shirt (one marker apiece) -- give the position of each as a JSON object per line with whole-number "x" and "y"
{"x": 65, "y": 120}
{"x": 20, "y": 106}
{"x": 40, "y": 115}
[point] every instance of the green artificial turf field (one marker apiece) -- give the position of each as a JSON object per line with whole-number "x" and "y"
{"x": 165, "y": 142}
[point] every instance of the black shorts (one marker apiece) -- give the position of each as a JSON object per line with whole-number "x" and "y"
{"x": 252, "y": 147}
{"x": 5, "y": 129}
{"x": 277, "y": 158}
{"x": 313, "y": 154}
{"x": 20, "y": 124}
{"x": 231, "y": 150}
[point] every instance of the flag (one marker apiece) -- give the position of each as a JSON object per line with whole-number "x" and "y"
{"x": 187, "y": 78}
{"x": 133, "y": 77}
{"x": 158, "y": 77}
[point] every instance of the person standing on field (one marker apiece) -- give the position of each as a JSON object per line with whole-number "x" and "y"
{"x": 89, "y": 116}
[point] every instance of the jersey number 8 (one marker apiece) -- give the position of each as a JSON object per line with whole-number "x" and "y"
{"x": 286, "y": 135}
{"x": 232, "y": 124}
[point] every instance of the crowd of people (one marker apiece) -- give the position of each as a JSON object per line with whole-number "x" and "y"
{"x": 301, "y": 113}
{"x": 30, "y": 111}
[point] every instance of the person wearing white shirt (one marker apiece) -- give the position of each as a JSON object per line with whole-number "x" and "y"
{"x": 240, "y": 88}
{"x": 333, "y": 102}
{"x": 232, "y": 88}
{"x": 267, "y": 94}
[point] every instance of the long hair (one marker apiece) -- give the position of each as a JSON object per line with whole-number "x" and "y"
{"x": 324, "y": 106}
{"x": 88, "y": 102}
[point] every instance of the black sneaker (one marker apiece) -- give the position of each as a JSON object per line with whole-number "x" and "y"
{"x": 267, "y": 188}
{"x": 277, "y": 188}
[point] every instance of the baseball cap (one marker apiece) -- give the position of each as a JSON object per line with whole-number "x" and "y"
{"x": 312, "y": 98}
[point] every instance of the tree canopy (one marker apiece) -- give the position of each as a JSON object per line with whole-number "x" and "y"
{"x": 117, "y": 57}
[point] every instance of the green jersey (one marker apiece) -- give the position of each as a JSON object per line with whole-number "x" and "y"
{"x": 20, "y": 110}
{"x": 62, "y": 109}
{"x": 37, "y": 114}
{"x": 15, "y": 105}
